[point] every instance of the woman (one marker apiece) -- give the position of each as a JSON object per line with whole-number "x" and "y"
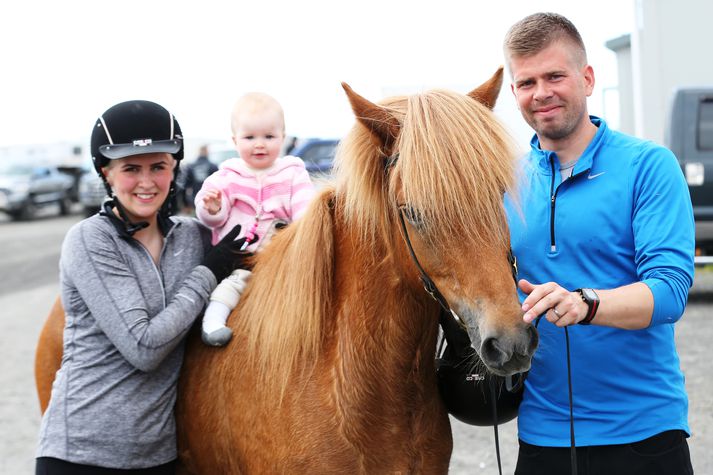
{"x": 132, "y": 280}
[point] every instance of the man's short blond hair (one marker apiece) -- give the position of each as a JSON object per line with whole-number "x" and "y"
{"x": 253, "y": 102}
{"x": 538, "y": 31}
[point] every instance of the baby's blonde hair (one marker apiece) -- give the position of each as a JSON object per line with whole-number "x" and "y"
{"x": 253, "y": 102}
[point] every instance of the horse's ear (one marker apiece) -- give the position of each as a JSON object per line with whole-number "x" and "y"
{"x": 487, "y": 93}
{"x": 375, "y": 118}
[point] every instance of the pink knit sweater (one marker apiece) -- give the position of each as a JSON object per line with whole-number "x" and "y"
{"x": 282, "y": 192}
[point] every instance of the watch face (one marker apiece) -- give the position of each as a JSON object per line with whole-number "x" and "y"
{"x": 589, "y": 295}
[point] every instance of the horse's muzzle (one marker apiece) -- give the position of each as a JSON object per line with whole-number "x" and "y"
{"x": 506, "y": 355}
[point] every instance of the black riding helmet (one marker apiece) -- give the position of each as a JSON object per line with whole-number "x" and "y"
{"x": 134, "y": 128}
{"x": 470, "y": 392}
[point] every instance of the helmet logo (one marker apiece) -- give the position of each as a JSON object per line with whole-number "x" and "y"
{"x": 142, "y": 142}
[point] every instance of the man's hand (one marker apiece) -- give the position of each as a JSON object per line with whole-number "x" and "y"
{"x": 212, "y": 201}
{"x": 560, "y": 306}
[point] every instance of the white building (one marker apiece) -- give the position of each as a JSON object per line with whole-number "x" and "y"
{"x": 670, "y": 46}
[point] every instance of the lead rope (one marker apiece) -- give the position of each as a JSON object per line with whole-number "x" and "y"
{"x": 493, "y": 399}
{"x": 573, "y": 445}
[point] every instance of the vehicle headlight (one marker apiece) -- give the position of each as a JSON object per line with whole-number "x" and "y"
{"x": 695, "y": 173}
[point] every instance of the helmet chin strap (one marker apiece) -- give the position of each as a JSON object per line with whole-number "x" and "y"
{"x": 130, "y": 227}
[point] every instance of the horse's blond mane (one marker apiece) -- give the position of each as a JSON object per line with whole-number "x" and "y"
{"x": 455, "y": 162}
{"x": 282, "y": 312}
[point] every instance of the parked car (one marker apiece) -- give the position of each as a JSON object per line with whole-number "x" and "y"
{"x": 91, "y": 192}
{"x": 218, "y": 153}
{"x": 318, "y": 154}
{"x": 25, "y": 188}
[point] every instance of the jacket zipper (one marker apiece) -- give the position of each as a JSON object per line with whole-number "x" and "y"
{"x": 157, "y": 265}
{"x": 250, "y": 234}
{"x": 553, "y": 199}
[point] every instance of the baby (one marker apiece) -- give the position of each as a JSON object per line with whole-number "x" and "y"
{"x": 259, "y": 190}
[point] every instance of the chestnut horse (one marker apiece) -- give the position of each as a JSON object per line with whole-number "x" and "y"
{"x": 331, "y": 366}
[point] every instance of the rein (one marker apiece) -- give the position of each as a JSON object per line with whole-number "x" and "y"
{"x": 436, "y": 294}
{"x": 428, "y": 283}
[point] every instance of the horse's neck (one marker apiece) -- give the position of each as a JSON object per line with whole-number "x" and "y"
{"x": 389, "y": 326}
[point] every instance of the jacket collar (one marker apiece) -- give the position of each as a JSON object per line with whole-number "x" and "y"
{"x": 542, "y": 158}
{"x": 239, "y": 166}
{"x": 165, "y": 223}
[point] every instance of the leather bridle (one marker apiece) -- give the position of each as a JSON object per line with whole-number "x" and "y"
{"x": 436, "y": 294}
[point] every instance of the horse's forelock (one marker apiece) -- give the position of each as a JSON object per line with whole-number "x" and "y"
{"x": 455, "y": 162}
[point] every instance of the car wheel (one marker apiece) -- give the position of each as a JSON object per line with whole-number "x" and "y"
{"x": 65, "y": 206}
{"x": 28, "y": 211}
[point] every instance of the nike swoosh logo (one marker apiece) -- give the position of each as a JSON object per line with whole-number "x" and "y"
{"x": 590, "y": 177}
{"x": 178, "y": 252}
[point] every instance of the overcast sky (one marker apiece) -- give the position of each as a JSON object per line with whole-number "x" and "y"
{"x": 64, "y": 62}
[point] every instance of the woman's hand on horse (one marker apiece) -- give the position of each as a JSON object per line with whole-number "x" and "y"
{"x": 560, "y": 306}
{"x": 227, "y": 255}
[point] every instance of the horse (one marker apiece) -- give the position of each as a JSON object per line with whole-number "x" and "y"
{"x": 331, "y": 368}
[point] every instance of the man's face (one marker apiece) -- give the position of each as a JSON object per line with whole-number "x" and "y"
{"x": 551, "y": 91}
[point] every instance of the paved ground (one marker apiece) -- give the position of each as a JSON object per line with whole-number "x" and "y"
{"x": 28, "y": 286}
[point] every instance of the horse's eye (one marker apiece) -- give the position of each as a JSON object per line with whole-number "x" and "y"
{"x": 412, "y": 216}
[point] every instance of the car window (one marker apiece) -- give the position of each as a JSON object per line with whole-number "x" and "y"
{"x": 319, "y": 152}
{"x": 15, "y": 169}
{"x": 40, "y": 172}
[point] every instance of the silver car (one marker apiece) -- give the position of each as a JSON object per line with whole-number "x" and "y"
{"x": 26, "y": 188}
{"x": 92, "y": 192}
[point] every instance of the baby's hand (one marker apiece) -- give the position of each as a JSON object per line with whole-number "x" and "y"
{"x": 212, "y": 201}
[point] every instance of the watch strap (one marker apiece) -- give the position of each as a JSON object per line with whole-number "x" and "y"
{"x": 592, "y": 305}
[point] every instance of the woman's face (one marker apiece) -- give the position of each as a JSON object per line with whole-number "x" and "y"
{"x": 141, "y": 183}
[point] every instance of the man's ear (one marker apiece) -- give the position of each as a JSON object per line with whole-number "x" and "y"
{"x": 588, "y": 74}
{"x": 512, "y": 89}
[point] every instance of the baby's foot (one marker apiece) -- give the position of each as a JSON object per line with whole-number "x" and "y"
{"x": 218, "y": 337}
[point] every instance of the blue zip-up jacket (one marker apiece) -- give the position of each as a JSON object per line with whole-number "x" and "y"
{"x": 624, "y": 216}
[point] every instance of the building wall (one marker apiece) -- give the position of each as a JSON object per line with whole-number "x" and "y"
{"x": 671, "y": 46}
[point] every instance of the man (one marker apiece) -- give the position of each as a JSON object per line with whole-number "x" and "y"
{"x": 604, "y": 235}
{"x": 196, "y": 173}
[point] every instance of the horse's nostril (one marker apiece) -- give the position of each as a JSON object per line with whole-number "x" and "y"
{"x": 492, "y": 354}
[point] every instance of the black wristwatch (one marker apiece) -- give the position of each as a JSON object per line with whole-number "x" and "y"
{"x": 590, "y": 297}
